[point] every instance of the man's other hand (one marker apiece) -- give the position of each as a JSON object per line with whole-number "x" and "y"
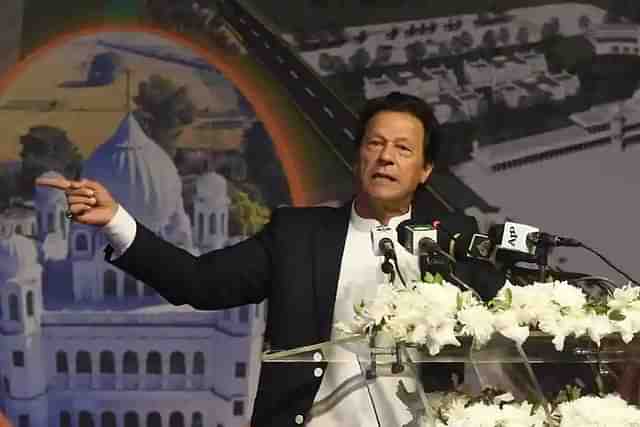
{"x": 89, "y": 202}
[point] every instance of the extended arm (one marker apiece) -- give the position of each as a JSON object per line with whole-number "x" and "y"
{"x": 228, "y": 277}
{"x": 219, "y": 279}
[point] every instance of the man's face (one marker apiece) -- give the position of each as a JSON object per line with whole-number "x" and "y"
{"x": 390, "y": 162}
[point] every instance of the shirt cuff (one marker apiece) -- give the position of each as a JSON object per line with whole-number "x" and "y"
{"x": 120, "y": 231}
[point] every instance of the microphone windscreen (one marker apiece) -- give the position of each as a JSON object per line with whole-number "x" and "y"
{"x": 377, "y": 235}
{"x": 495, "y": 233}
{"x": 403, "y": 231}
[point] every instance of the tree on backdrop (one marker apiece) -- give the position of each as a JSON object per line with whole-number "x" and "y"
{"x": 163, "y": 110}
{"x": 47, "y": 148}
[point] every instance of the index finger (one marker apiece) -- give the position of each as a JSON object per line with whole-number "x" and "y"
{"x": 59, "y": 182}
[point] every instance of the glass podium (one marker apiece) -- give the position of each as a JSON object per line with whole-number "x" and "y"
{"x": 530, "y": 371}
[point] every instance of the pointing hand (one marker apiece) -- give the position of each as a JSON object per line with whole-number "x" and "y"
{"x": 89, "y": 201}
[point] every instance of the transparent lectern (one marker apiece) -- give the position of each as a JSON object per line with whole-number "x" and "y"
{"x": 530, "y": 371}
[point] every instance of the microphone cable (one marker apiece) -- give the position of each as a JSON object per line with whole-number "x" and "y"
{"x": 397, "y": 265}
{"x": 610, "y": 264}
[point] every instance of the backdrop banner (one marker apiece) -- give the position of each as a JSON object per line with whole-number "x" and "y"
{"x": 203, "y": 116}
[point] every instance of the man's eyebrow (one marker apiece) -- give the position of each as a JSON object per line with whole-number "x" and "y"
{"x": 378, "y": 135}
{"x": 374, "y": 135}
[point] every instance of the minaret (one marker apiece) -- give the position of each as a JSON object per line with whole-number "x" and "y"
{"x": 210, "y": 212}
{"x": 22, "y": 359}
{"x": 53, "y": 225}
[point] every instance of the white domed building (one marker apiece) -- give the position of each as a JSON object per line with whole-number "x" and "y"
{"x": 22, "y": 366}
{"x": 144, "y": 180}
{"x": 139, "y": 174}
{"x": 106, "y": 350}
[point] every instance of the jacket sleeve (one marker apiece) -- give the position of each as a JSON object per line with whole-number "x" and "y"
{"x": 223, "y": 278}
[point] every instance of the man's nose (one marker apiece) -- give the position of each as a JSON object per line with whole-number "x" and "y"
{"x": 387, "y": 154}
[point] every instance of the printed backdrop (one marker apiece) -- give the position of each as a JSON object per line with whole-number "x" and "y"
{"x": 202, "y": 116}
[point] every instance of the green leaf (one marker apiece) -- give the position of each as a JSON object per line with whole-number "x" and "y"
{"x": 496, "y": 305}
{"x": 617, "y": 315}
{"x": 359, "y": 308}
{"x": 459, "y": 301}
{"x": 428, "y": 278}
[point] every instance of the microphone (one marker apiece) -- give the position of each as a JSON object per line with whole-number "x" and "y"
{"x": 512, "y": 236}
{"x": 382, "y": 245}
{"x": 525, "y": 238}
{"x": 542, "y": 238}
{"x": 466, "y": 244}
{"x": 476, "y": 246}
{"x": 382, "y": 241}
{"x": 421, "y": 240}
{"x": 414, "y": 237}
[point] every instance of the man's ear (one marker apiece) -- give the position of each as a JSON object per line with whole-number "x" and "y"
{"x": 426, "y": 172}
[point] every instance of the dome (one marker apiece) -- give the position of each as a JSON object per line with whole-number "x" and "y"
{"x": 18, "y": 255}
{"x": 139, "y": 174}
{"x": 211, "y": 189}
{"x": 47, "y": 196}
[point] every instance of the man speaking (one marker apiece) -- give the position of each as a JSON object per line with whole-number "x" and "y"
{"x": 309, "y": 262}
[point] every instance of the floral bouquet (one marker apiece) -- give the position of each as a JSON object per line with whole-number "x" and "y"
{"x": 494, "y": 409}
{"x": 435, "y": 313}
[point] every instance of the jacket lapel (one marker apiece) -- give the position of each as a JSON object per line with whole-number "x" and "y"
{"x": 328, "y": 247}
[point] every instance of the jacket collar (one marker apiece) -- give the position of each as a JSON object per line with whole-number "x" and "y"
{"x": 328, "y": 247}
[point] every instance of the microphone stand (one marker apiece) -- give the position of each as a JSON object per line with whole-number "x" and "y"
{"x": 542, "y": 259}
{"x": 431, "y": 261}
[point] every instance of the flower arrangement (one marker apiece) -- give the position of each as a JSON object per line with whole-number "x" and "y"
{"x": 493, "y": 409}
{"x": 435, "y": 313}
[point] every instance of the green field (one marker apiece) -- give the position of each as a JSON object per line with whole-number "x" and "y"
{"x": 309, "y": 15}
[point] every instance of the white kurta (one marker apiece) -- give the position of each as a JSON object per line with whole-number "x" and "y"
{"x": 360, "y": 275}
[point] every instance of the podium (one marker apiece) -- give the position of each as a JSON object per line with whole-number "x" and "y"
{"x": 530, "y": 371}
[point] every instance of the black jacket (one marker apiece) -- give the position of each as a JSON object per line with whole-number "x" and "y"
{"x": 293, "y": 261}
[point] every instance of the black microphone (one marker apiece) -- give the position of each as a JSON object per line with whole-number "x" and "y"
{"x": 386, "y": 247}
{"x": 464, "y": 244}
{"x": 382, "y": 242}
{"x": 382, "y": 245}
{"x": 524, "y": 238}
{"x": 426, "y": 242}
{"x": 542, "y": 238}
{"x": 418, "y": 238}
{"x": 476, "y": 246}
{"x": 422, "y": 241}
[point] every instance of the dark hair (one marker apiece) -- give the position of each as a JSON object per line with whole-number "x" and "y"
{"x": 405, "y": 103}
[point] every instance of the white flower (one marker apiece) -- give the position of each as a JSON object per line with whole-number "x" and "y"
{"x": 611, "y": 411}
{"x": 477, "y": 322}
{"x": 624, "y": 297}
{"x": 485, "y": 415}
{"x": 431, "y": 314}
{"x": 441, "y": 334}
{"x": 569, "y": 296}
{"x": 599, "y": 326}
{"x": 625, "y": 328}
{"x": 506, "y": 323}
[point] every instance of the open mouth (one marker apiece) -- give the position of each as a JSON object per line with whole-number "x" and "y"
{"x": 383, "y": 176}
